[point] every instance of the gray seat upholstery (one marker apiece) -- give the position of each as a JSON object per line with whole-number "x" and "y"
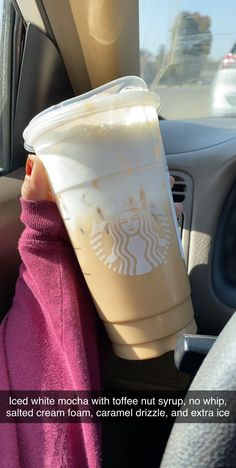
{"x": 200, "y": 445}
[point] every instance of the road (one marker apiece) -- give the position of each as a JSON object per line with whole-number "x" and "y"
{"x": 184, "y": 102}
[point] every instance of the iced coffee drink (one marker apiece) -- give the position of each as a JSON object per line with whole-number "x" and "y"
{"x": 107, "y": 169}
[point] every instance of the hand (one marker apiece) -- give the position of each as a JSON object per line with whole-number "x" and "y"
{"x": 36, "y": 186}
{"x": 178, "y": 206}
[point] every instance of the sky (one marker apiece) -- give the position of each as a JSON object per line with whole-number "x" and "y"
{"x": 157, "y": 17}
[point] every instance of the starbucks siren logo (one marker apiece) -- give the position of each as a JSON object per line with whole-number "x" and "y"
{"x": 134, "y": 242}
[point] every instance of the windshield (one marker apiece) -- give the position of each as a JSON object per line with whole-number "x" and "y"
{"x": 187, "y": 55}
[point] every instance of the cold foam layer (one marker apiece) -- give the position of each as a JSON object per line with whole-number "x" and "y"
{"x": 76, "y": 153}
{"x": 122, "y": 93}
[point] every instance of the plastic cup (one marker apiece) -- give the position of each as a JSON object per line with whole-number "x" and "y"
{"x": 105, "y": 160}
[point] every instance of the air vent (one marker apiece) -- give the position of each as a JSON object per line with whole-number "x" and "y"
{"x": 179, "y": 189}
{"x": 183, "y": 193}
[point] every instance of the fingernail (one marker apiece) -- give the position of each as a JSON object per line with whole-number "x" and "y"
{"x": 29, "y": 166}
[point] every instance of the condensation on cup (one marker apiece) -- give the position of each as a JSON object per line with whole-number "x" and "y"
{"x": 104, "y": 157}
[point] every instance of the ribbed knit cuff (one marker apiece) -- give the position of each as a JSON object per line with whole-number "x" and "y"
{"x": 43, "y": 217}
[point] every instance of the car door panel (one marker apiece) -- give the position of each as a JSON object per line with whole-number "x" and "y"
{"x": 43, "y": 82}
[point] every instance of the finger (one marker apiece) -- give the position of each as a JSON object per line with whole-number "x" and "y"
{"x": 178, "y": 209}
{"x": 172, "y": 181}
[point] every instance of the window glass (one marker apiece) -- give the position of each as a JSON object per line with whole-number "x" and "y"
{"x": 5, "y": 54}
{"x": 188, "y": 56}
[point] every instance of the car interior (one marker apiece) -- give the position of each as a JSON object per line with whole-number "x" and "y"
{"x": 52, "y": 50}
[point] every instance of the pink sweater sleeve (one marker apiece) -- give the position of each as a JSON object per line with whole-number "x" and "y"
{"x": 48, "y": 342}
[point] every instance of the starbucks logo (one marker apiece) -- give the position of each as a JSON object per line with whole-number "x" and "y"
{"x": 134, "y": 242}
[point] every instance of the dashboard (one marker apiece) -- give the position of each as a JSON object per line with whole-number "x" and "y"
{"x": 202, "y": 155}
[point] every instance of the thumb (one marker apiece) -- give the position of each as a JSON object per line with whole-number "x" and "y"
{"x": 36, "y": 186}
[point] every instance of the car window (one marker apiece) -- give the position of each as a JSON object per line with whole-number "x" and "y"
{"x": 187, "y": 55}
{"x": 6, "y": 21}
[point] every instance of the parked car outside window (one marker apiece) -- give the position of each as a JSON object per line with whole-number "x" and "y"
{"x": 223, "y": 89}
